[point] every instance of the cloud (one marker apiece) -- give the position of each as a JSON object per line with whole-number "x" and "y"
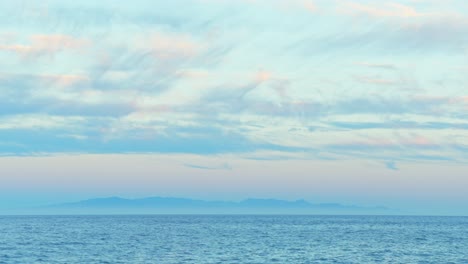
{"x": 390, "y": 142}
{"x": 385, "y": 66}
{"x": 36, "y": 121}
{"x": 397, "y": 147}
{"x": 277, "y": 5}
{"x": 389, "y": 27}
{"x": 396, "y": 124}
{"x": 215, "y": 79}
{"x": 422, "y": 105}
{"x": 46, "y": 45}
{"x": 379, "y": 10}
{"x": 224, "y": 166}
{"x": 418, "y": 141}
{"x": 105, "y": 137}
{"x": 375, "y": 80}
{"x": 170, "y": 47}
{"x": 7, "y": 37}
{"x": 391, "y": 165}
{"x": 60, "y": 95}
{"x": 366, "y": 144}
{"x": 263, "y": 76}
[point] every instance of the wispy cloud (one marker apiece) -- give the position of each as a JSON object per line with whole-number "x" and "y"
{"x": 224, "y": 166}
{"x": 391, "y": 165}
{"x": 128, "y": 78}
{"x": 385, "y": 66}
{"x": 45, "y": 45}
{"x": 381, "y": 9}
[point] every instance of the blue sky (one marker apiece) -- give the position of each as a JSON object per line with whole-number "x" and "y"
{"x": 352, "y": 101}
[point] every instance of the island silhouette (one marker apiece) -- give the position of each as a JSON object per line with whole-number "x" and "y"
{"x": 174, "y": 205}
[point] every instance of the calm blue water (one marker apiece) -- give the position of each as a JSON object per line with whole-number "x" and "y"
{"x": 233, "y": 239}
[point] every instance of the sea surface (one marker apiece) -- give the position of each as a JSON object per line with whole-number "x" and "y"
{"x": 233, "y": 239}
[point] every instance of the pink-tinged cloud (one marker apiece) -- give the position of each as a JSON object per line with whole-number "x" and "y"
{"x": 174, "y": 46}
{"x": 40, "y": 45}
{"x": 385, "y": 66}
{"x": 458, "y": 100}
{"x": 418, "y": 141}
{"x": 381, "y": 10}
{"x": 309, "y": 6}
{"x": 375, "y": 80}
{"x": 65, "y": 80}
{"x": 61, "y": 81}
{"x": 279, "y": 5}
{"x": 262, "y": 76}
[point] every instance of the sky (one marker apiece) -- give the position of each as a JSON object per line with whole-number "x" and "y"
{"x": 350, "y": 101}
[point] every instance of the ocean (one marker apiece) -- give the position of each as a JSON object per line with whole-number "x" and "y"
{"x": 233, "y": 239}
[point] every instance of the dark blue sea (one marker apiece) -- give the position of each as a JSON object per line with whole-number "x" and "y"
{"x": 233, "y": 239}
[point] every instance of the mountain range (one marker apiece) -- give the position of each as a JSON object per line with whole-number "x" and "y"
{"x": 170, "y": 205}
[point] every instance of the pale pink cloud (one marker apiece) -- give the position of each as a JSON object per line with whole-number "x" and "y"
{"x": 278, "y": 5}
{"x": 374, "y": 142}
{"x": 379, "y": 9}
{"x": 66, "y": 80}
{"x": 309, "y": 6}
{"x": 263, "y": 76}
{"x": 417, "y": 141}
{"x": 386, "y": 66}
{"x": 461, "y": 100}
{"x": 40, "y": 45}
{"x": 174, "y": 46}
{"x": 50, "y": 80}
